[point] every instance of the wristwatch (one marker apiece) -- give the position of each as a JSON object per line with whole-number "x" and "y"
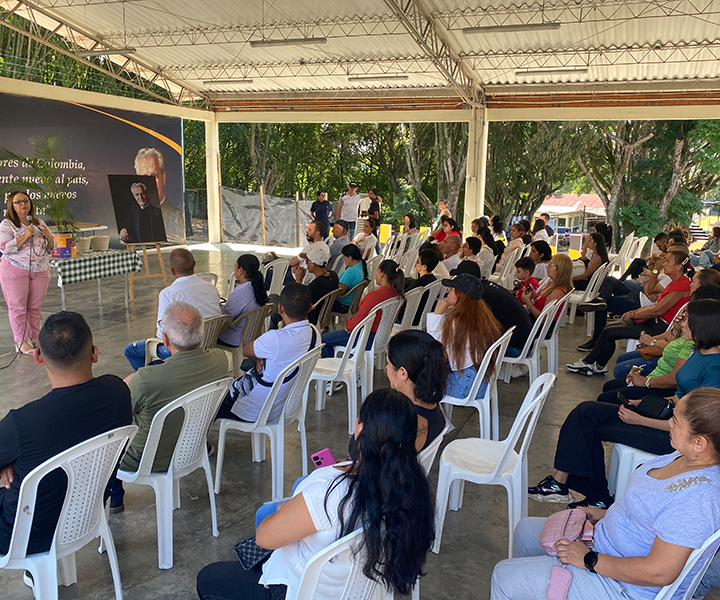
{"x": 655, "y": 271}
{"x": 647, "y": 382}
{"x": 590, "y": 560}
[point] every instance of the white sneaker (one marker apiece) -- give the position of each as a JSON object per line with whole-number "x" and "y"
{"x": 580, "y": 367}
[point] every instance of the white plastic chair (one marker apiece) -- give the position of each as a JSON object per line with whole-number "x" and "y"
{"x": 199, "y": 407}
{"x": 231, "y": 285}
{"x": 346, "y": 369}
{"x": 357, "y": 586}
{"x": 525, "y": 251}
{"x": 407, "y": 261}
{"x": 372, "y": 266}
{"x": 279, "y": 270}
{"x": 486, "y": 267}
{"x": 588, "y": 294}
{"x": 705, "y": 552}
{"x": 212, "y": 328}
{"x": 552, "y": 344}
{"x": 88, "y": 467}
{"x": 337, "y": 264}
{"x": 412, "y": 301}
{"x": 488, "y": 462}
{"x": 413, "y": 242}
{"x": 530, "y": 355}
{"x": 209, "y": 277}
{"x": 252, "y": 329}
{"x": 427, "y": 457}
{"x": 433, "y": 290}
{"x": 487, "y": 405}
{"x": 505, "y": 277}
{"x": 293, "y": 410}
{"x": 623, "y": 462}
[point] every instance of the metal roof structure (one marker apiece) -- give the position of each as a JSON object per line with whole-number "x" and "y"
{"x": 325, "y": 55}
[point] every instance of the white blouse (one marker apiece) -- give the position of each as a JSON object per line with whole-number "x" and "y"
{"x": 33, "y": 257}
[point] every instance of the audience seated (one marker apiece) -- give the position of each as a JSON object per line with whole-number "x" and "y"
{"x": 315, "y": 234}
{"x": 579, "y": 457}
{"x": 323, "y": 282}
{"x": 425, "y": 265}
{"x": 78, "y": 407}
{"x": 448, "y": 227}
{"x": 187, "y": 368}
{"x": 594, "y": 243}
{"x": 524, "y": 269}
{"x": 652, "y": 319}
{"x": 440, "y": 271}
{"x": 337, "y": 242}
{"x": 539, "y": 232}
{"x": 382, "y": 488}
{"x": 273, "y": 351}
{"x": 526, "y": 228}
{"x": 560, "y": 274}
{"x": 367, "y": 239}
{"x": 470, "y": 249}
{"x": 541, "y": 254}
{"x": 249, "y": 293}
{"x": 187, "y": 287}
{"x": 467, "y": 330}
{"x": 450, "y": 248}
{"x": 641, "y": 543}
{"x": 391, "y": 281}
{"x": 637, "y": 266}
{"x": 355, "y": 272}
{"x": 516, "y": 243}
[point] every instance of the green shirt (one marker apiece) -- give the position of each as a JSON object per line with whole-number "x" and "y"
{"x": 679, "y": 348}
{"x": 152, "y": 387}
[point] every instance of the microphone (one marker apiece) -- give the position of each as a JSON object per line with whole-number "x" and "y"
{"x": 29, "y": 219}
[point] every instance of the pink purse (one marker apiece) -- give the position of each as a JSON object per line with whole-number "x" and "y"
{"x": 571, "y": 525}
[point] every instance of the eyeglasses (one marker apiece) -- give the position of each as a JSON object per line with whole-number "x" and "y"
{"x": 21, "y": 201}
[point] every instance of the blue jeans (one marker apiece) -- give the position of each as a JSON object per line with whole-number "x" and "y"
{"x": 135, "y": 353}
{"x": 351, "y": 231}
{"x": 628, "y": 360}
{"x": 340, "y": 338}
{"x": 460, "y": 382}
{"x": 513, "y": 352}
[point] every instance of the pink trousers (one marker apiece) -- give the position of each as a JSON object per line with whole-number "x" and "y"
{"x": 24, "y": 294}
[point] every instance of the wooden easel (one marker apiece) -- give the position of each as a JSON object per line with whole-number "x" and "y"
{"x": 147, "y": 275}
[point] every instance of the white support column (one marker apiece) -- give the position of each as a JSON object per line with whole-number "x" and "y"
{"x": 212, "y": 166}
{"x": 476, "y": 169}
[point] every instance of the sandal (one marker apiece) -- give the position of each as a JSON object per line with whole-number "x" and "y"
{"x": 26, "y": 347}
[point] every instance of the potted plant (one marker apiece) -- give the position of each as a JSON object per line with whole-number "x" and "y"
{"x": 43, "y": 175}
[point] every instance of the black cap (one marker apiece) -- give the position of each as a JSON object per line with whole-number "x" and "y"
{"x": 467, "y": 284}
{"x": 467, "y": 266}
{"x": 352, "y": 184}
{"x": 343, "y": 223}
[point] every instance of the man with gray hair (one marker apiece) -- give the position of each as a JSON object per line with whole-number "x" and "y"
{"x": 150, "y": 161}
{"x": 152, "y": 387}
{"x": 144, "y": 222}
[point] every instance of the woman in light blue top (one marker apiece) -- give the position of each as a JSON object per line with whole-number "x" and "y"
{"x": 355, "y": 272}
{"x": 249, "y": 293}
{"x": 642, "y": 542}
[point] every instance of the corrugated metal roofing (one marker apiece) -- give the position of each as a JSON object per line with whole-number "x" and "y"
{"x": 596, "y": 42}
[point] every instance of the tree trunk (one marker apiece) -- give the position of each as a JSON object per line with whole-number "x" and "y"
{"x": 414, "y": 165}
{"x": 679, "y": 165}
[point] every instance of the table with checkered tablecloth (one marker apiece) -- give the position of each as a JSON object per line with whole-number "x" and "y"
{"x": 96, "y": 265}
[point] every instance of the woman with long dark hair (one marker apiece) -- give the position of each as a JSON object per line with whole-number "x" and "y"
{"x": 26, "y": 244}
{"x": 596, "y": 243}
{"x": 391, "y": 281}
{"x": 382, "y": 489}
{"x": 498, "y": 228}
{"x": 417, "y": 366}
{"x": 466, "y": 331}
{"x": 367, "y": 238}
{"x": 249, "y": 293}
{"x": 541, "y": 254}
{"x": 410, "y": 224}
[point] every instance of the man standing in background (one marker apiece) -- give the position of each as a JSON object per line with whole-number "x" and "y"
{"x": 150, "y": 161}
{"x": 321, "y": 209}
{"x": 347, "y": 208}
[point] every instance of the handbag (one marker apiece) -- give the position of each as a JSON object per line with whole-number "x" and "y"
{"x": 570, "y": 525}
{"x": 250, "y": 554}
{"x": 655, "y": 407}
{"x": 648, "y": 352}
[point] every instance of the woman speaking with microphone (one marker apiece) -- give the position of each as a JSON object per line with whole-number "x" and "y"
{"x": 26, "y": 244}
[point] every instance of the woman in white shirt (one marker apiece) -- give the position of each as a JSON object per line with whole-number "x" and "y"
{"x": 382, "y": 489}
{"x": 367, "y": 239}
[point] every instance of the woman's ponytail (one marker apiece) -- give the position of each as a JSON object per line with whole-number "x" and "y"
{"x": 395, "y": 276}
{"x": 251, "y": 265}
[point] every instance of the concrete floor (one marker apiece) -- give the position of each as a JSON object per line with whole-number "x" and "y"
{"x": 474, "y": 538}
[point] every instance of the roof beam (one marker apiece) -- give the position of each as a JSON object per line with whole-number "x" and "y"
{"x": 423, "y": 30}
{"x": 134, "y": 73}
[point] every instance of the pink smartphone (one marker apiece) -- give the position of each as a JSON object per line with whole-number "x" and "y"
{"x": 324, "y": 458}
{"x": 558, "y": 584}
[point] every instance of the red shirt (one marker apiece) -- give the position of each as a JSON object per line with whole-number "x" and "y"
{"x": 542, "y": 300}
{"x": 681, "y": 285}
{"x": 532, "y": 282}
{"x": 367, "y": 304}
{"x": 441, "y": 235}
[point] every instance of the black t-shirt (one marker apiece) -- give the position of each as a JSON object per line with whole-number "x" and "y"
{"x": 319, "y": 287}
{"x": 32, "y": 434}
{"x": 374, "y": 208}
{"x": 411, "y": 284}
{"x": 322, "y": 212}
{"x": 508, "y": 310}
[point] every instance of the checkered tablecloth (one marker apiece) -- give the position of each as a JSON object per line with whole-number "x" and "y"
{"x": 94, "y": 265}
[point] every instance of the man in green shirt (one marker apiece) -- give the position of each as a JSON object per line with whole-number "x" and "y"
{"x": 153, "y": 386}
